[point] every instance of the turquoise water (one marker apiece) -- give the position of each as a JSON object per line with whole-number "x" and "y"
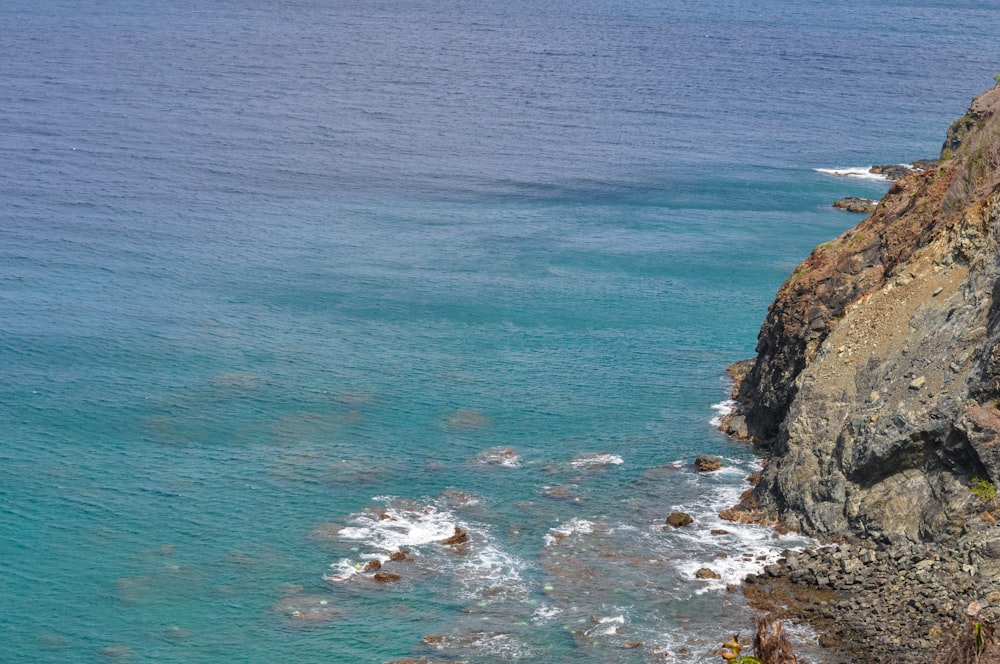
{"x": 267, "y": 272}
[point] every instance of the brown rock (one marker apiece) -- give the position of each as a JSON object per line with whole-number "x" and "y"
{"x": 460, "y": 537}
{"x": 856, "y": 205}
{"x": 705, "y": 464}
{"x": 385, "y": 577}
{"x": 399, "y": 555}
{"x": 739, "y": 515}
{"x": 679, "y": 519}
{"x": 372, "y": 566}
{"x": 706, "y": 573}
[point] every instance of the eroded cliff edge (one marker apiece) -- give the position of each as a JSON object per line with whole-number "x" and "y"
{"x": 876, "y": 386}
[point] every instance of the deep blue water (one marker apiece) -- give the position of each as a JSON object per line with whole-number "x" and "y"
{"x": 269, "y": 269}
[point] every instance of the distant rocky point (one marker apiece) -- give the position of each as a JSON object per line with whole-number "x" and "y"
{"x": 900, "y": 171}
{"x": 891, "y": 172}
{"x": 855, "y": 204}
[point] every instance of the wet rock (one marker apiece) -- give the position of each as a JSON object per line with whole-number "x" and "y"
{"x": 706, "y": 573}
{"x": 705, "y": 463}
{"x": 855, "y": 204}
{"x": 861, "y": 598}
{"x": 679, "y": 519}
{"x": 719, "y": 531}
{"x": 892, "y": 171}
{"x": 372, "y": 566}
{"x": 385, "y": 577}
{"x": 460, "y": 537}
{"x": 400, "y": 555}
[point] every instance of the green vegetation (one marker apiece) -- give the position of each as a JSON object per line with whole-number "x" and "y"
{"x": 996, "y": 77}
{"x": 798, "y": 273}
{"x": 731, "y": 653}
{"x": 984, "y": 490}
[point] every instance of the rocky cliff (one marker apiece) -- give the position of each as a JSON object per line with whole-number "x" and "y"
{"x": 876, "y": 386}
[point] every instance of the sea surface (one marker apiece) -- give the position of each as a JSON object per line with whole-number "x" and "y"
{"x": 288, "y": 287}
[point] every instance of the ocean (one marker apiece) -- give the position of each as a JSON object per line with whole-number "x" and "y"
{"x": 286, "y": 288}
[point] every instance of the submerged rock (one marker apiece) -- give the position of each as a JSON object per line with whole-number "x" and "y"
{"x": 466, "y": 418}
{"x": 308, "y": 608}
{"x": 498, "y": 456}
{"x": 385, "y": 577}
{"x": 117, "y": 651}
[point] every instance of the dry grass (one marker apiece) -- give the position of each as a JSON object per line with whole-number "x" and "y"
{"x": 976, "y": 642}
{"x": 770, "y": 644}
{"x": 977, "y": 166}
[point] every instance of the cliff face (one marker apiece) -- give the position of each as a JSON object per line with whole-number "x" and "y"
{"x": 877, "y": 378}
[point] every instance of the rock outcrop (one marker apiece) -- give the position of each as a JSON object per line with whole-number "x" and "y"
{"x": 856, "y": 205}
{"x": 876, "y": 386}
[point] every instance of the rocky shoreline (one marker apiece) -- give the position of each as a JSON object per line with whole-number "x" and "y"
{"x": 875, "y": 394}
{"x": 884, "y": 602}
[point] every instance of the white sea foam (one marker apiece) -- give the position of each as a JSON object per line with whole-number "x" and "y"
{"x": 596, "y": 460}
{"x": 607, "y": 625}
{"x": 571, "y": 527}
{"x": 863, "y": 172}
{"x": 498, "y": 456}
{"x": 748, "y": 547}
{"x": 505, "y": 646}
{"x": 408, "y": 525}
{"x": 545, "y": 613}
{"x": 341, "y": 571}
{"x": 491, "y": 569}
{"x": 721, "y": 409}
{"x": 401, "y": 528}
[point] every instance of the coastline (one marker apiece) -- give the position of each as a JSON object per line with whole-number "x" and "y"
{"x": 868, "y": 599}
{"x": 875, "y": 395}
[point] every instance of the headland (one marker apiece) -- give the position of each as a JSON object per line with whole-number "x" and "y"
{"x": 875, "y": 396}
